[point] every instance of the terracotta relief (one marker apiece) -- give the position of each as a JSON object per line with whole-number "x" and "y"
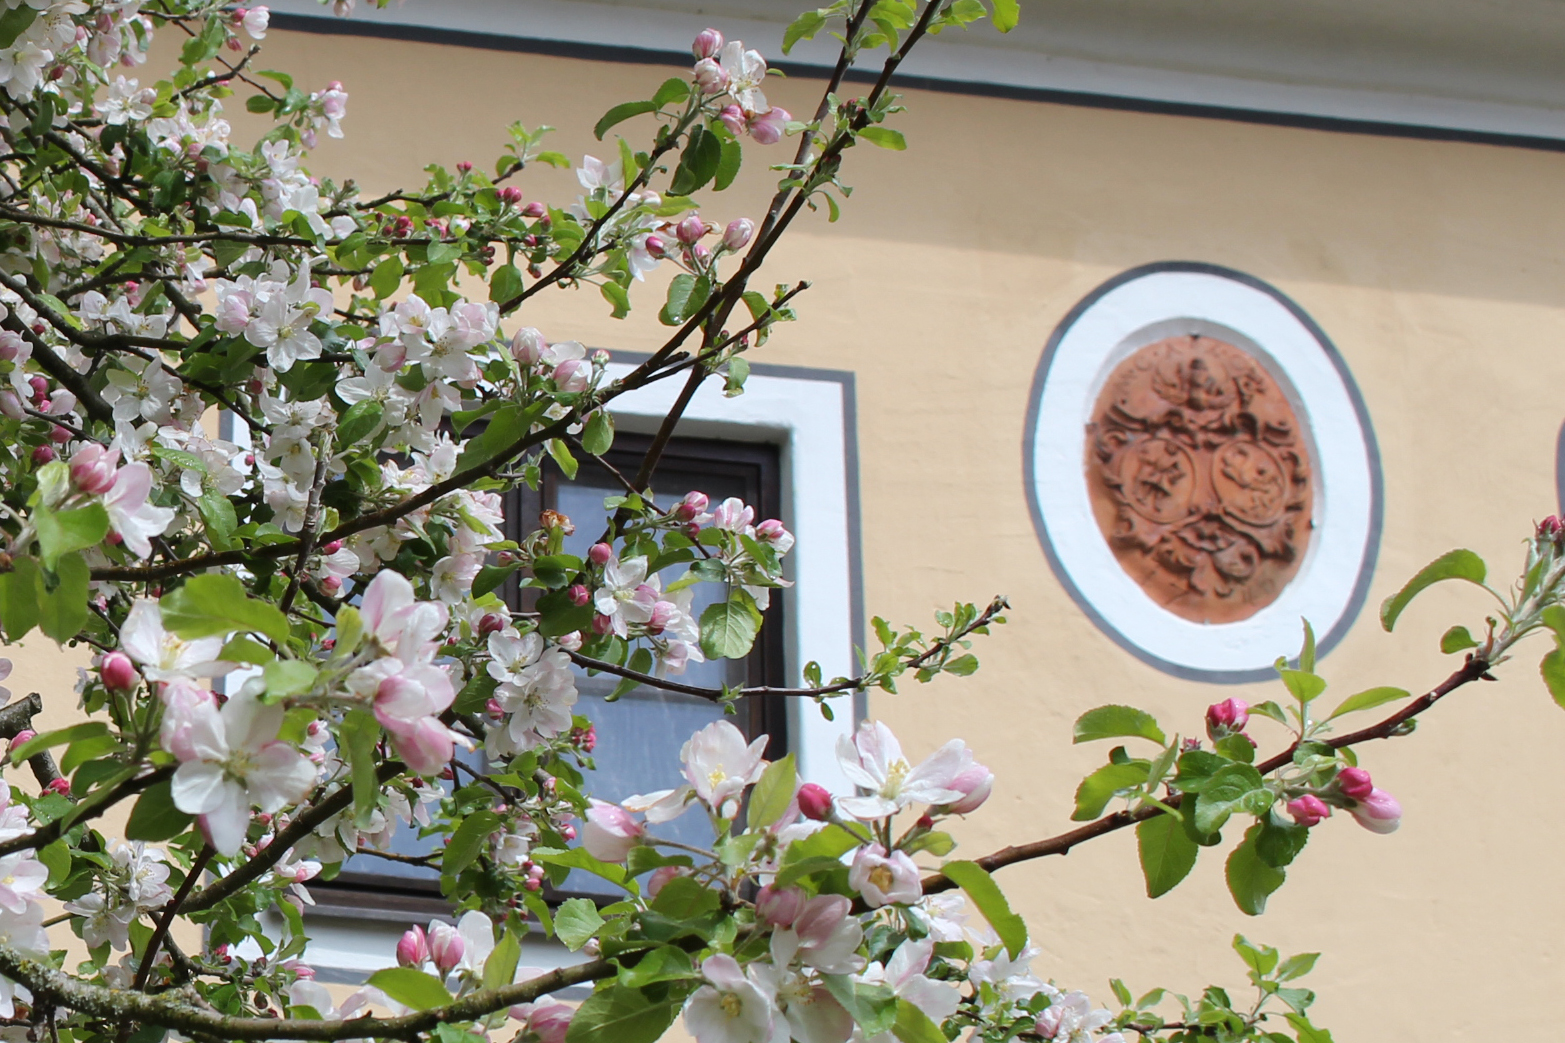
{"x": 1200, "y": 478}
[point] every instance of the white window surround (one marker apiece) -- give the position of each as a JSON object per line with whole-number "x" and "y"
{"x": 1145, "y": 305}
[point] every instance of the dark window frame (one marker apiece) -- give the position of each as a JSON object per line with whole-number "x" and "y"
{"x": 393, "y": 897}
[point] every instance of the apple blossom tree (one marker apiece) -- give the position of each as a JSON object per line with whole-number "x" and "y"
{"x": 300, "y": 647}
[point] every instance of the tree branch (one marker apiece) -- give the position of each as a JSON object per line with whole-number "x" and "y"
{"x": 1472, "y": 670}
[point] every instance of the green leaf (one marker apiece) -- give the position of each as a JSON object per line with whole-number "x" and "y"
{"x": 686, "y": 294}
{"x": 684, "y": 898}
{"x": 1307, "y": 1032}
{"x": 155, "y": 817}
{"x": 411, "y": 987}
{"x": 216, "y": 603}
{"x": 15, "y": 22}
{"x": 244, "y": 650}
{"x": 1297, "y": 966}
{"x": 1457, "y": 564}
{"x": 505, "y": 284}
{"x": 616, "y": 295}
{"x": 1167, "y": 853}
{"x": 60, "y": 736}
{"x": 1279, "y": 842}
{"x": 803, "y": 27}
{"x": 990, "y": 900}
{"x": 1458, "y": 638}
{"x": 500, "y": 968}
{"x": 885, "y": 137}
{"x": 665, "y": 963}
{"x": 914, "y": 1026}
{"x": 1305, "y": 687}
{"x": 874, "y": 1007}
{"x": 1552, "y": 667}
{"x": 467, "y": 841}
{"x": 1307, "y": 653}
{"x": 1112, "y": 722}
{"x": 674, "y": 89}
{"x": 358, "y": 734}
{"x": 506, "y": 427}
{"x": 620, "y": 1015}
{"x": 20, "y": 600}
{"x": 728, "y": 165}
{"x": 1097, "y": 789}
{"x": 62, "y": 612}
{"x": 697, "y": 163}
{"x": 61, "y": 532}
{"x": 576, "y": 921}
{"x": 597, "y": 436}
{"x": 1369, "y": 698}
{"x": 1006, "y": 14}
{"x": 57, "y": 857}
{"x": 729, "y": 628}
{"x": 285, "y": 677}
{"x": 217, "y": 513}
{"x": 773, "y": 793}
{"x": 831, "y": 842}
{"x": 1260, "y": 959}
{"x": 358, "y": 421}
{"x": 386, "y": 277}
{"x": 1250, "y": 880}
{"x": 619, "y": 114}
{"x": 83, "y": 750}
{"x": 490, "y": 577}
{"x": 1222, "y": 794}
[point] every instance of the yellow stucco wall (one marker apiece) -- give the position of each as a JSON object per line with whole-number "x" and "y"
{"x": 1434, "y": 267}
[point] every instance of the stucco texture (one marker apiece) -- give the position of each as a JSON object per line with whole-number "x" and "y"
{"x": 1435, "y": 269}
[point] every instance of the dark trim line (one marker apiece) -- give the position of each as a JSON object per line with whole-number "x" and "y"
{"x": 1340, "y": 627}
{"x": 850, "y": 444}
{"x": 1080, "y": 99}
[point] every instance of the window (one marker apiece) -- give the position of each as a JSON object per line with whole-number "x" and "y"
{"x": 638, "y": 735}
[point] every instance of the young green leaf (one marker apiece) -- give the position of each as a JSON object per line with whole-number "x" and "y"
{"x": 575, "y": 922}
{"x": 773, "y": 793}
{"x": 803, "y": 27}
{"x": 1097, "y": 789}
{"x": 990, "y": 900}
{"x": 885, "y": 137}
{"x": 619, "y": 114}
{"x": 500, "y": 967}
{"x": 1552, "y": 667}
{"x": 61, "y": 532}
{"x": 1112, "y": 722}
{"x": 358, "y": 734}
{"x": 729, "y": 628}
{"x": 1250, "y": 880}
{"x": 1369, "y": 699}
{"x": 1456, "y": 564}
{"x": 155, "y": 817}
{"x": 620, "y": 1015}
{"x": 1006, "y": 14}
{"x": 1167, "y": 853}
{"x": 411, "y": 987}
{"x": 216, "y": 603}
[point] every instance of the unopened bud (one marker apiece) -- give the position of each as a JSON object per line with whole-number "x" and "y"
{"x": 708, "y": 43}
{"x": 21, "y": 737}
{"x": 413, "y": 948}
{"x": 656, "y": 246}
{"x": 59, "y": 435}
{"x": 815, "y": 802}
{"x": 779, "y": 906}
{"x": 600, "y": 554}
{"x": 738, "y": 233}
{"x": 43, "y": 454}
{"x": 1308, "y": 810}
{"x": 510, "y": 194}
{"x": 690, "y": 229}
{"x": 1230, "y": 715}
{"x": 535, "y": 210}
{"x": 1355, "y": 783}
{"x": 60, "y": 786}
{"x": 118, "y": 672}
{"x": 579, "y": 594}
{"x": 491, "y": 623}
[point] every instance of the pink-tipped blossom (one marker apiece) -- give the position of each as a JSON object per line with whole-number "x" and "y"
{"x": 446, "y": 946}
{"x": 710, "y": 77}
{"x": 691, "y": 229}
{"x": 44, "y": 454}
{"x": 579, "y": 594}
{"x": 660, "y": 878}
{"x": 976, "y": 782}
{"x": 767, "y": 128}
{"x": 1355, "y": 783}
{"x": 611, "y": 831}
{"x": 550, "y": 1020}
{"x": 779, "y": 906}
{"x": 600, "y": 554}
{"x": 1230, "y": 715}
{"x": 1309, "y": 810}
{"x": 1378, "y": 812}
{"x": 815, "y": 802}
{"x": 118, "y": 672}
{"x": 413, "y": 948}
{"x": 528, "y": 346}
{"x": 884, "y": 879}
{"x": 732, "y": 117}
{"x": 738, "y": 233}
{"x": 708, "y": 43}
{"x": 93, "y": 468}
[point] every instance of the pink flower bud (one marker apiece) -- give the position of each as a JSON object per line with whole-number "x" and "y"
{"x": 43, "y": 454}
{"x": 1378, "y": 812}
{"x": 699, "y": 254}
{"x": 445, "y": 946}
{"x": 611, "y": 831}
{"x": 690, "y": 229}
{"x": 1355, "y": 783}
{"x": 40, "y": 387}
{"x": 815, "y": 802}
{"x": 779, "y": 907}
{"x": 600, "y": 554}
{"x": 662, "y": 614}
{"x": 60, "y": 786}
{"x": 1308, "y": 810}
{"x": 710, "y": 77}
{"x": 1230, "y": 715}
{"x": 494, "y": 708}
{"x": 413, "y": 948}
{"x": 770, "y": 531}
{"x": 579, "y": 594}
{"x": 331, "y": 585}
{"x": 568, "y": 831}
{"x": 1551, "y": 528}
{"x": 11, "y": 406}
{"x": 491, "y": 622}
{"x": 331, "y": 548}
{"x": 707, "y": 44}
{"x": 533, "y": 884}
{"x": 656, "y": 246}
{"x": 92, "y": 468}
{"x": 766, "y": 128}
{"x": 23, "y": 736}
{"x": 118, "y": 673}
{"x": 738, "y": 233}
{"x": 976, "y": 782}
{"x": 733, "y": 118}
{"x": 659, "y": 877}
{"x": 11, "y": 345}
{"x": 602, "y": 624}
{"x": 550, "y": 1021}
{"x": 464, "y": 167}
{"x": 59, "y": 435}
{"x": 534, "y": 210}
{"x": 510, "y": 194}
{"x": 570, "y": 642}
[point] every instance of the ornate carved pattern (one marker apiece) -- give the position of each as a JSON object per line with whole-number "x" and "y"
{"x": 1200, "y": 478}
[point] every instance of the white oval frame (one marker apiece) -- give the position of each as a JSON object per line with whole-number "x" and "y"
{"x": 1168, "y": 299}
